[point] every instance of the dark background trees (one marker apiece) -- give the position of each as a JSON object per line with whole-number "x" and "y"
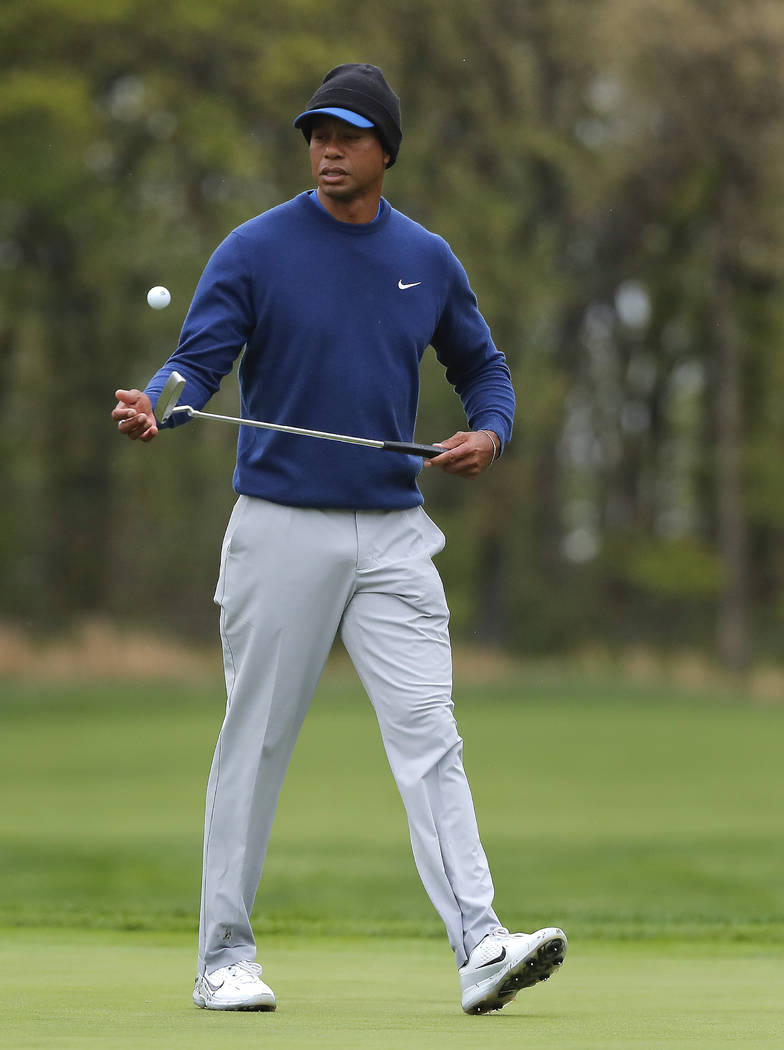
{"x": 611, "y": 174}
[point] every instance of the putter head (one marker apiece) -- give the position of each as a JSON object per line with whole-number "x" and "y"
{"x": 170, "y": 395}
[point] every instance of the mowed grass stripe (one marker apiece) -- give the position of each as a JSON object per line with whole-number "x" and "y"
{"x": 616, "y": 810}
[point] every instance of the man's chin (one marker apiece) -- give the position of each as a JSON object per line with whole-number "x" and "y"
{"x": 336, "y": 191}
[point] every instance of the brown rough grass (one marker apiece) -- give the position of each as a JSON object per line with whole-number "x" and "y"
{"x": 99, "y": 649}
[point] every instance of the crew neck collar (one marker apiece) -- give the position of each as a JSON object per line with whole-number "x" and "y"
{"x": 352, "y": 228}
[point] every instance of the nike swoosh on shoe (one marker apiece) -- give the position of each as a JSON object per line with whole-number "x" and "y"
{"x": 492, "y": 962}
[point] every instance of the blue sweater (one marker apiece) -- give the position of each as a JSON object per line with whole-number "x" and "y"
{"x": 335, "y": 318}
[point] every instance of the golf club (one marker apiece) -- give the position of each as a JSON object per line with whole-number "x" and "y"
{"x": 167, "y": 406}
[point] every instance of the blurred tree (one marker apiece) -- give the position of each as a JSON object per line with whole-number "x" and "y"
{"x": 135, "y": 143}
{"x": 494, "y": 166}
{"x": 703, "y": 106}
{"x": 609, "y": 172}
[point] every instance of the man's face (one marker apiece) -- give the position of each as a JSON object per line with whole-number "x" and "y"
{"x": 348, "y": 163}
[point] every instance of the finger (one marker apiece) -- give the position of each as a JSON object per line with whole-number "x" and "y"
{"x": 429, "y": 462}
{"x": 449, "y": 461}
{"x": 466, "y": 459}
{"x": 445, "y": 461}
{"x": 448, "y": 444}
{"x": 149, "y": 433}
{"x": 126, "y": 404}
{"x": 137, "y": 426}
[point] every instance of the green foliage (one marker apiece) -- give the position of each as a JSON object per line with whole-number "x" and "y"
{"x": 675, "y": 568}
{"x": 609, "y": 172}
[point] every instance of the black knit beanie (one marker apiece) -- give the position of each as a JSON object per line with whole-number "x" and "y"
{"x": 362, "y": 89}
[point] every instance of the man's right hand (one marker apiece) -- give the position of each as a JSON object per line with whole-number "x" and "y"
{"x": 134, "y": 415}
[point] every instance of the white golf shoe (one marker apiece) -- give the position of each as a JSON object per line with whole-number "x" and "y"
{"x": 235, "y": 987}
{"x": 503, "y": 963}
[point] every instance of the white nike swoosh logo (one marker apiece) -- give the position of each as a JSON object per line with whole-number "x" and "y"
{"x": 403, "y": 287}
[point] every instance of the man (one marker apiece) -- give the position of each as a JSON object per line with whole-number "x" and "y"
{"x": 335, "y": 296}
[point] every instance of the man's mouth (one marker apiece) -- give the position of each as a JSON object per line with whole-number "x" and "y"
{"x": 332, "y": 174}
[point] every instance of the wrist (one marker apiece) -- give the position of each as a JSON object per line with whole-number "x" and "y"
{"x": 495, "y": 442}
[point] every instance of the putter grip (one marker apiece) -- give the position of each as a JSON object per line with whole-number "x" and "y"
{"x": 427, "y": 451}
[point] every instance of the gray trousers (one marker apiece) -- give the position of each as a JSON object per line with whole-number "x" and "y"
{"x": 291, "y": 580}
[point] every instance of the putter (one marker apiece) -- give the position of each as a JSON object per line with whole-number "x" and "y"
{"x": 167, "y": 406}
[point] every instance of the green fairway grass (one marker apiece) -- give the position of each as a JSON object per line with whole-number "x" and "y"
{"x": 620, "y": 811}
{"x": 645, "y": 821}
{"x": 68, "y": 990}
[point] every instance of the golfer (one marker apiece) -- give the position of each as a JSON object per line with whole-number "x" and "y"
{"x": 332, "y": 298}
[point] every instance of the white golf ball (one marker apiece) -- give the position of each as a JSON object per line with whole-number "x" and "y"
{"x": 158, "y": 297}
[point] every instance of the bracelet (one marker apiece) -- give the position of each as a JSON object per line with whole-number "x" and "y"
{"x": 492, "y": 442}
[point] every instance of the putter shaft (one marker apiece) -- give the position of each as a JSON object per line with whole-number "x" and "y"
{"x": 175, "y": 385}
{"x": 410, "y": 449}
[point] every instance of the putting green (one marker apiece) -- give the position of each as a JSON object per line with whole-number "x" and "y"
{"x": 72, "y": 990}
{"x": 646, "y": 822}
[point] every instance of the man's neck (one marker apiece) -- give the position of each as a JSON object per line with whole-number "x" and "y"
{"x": 359, "y": 210}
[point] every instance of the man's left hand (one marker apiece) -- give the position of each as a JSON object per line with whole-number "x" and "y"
{"x": 467, "y": 453}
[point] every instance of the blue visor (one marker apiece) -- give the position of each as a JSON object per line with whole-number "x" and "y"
{"x": 348, "y": 115}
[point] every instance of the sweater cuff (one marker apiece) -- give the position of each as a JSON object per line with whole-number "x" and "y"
{"x": 499, "y": 426}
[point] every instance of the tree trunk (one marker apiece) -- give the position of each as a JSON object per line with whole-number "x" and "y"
{"x": 733, "y": 636}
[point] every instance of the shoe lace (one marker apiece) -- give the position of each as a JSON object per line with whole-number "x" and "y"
{"x": 244, "y": 970}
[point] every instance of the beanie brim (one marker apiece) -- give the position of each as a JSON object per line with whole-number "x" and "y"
{"x": 348, "y": 115}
